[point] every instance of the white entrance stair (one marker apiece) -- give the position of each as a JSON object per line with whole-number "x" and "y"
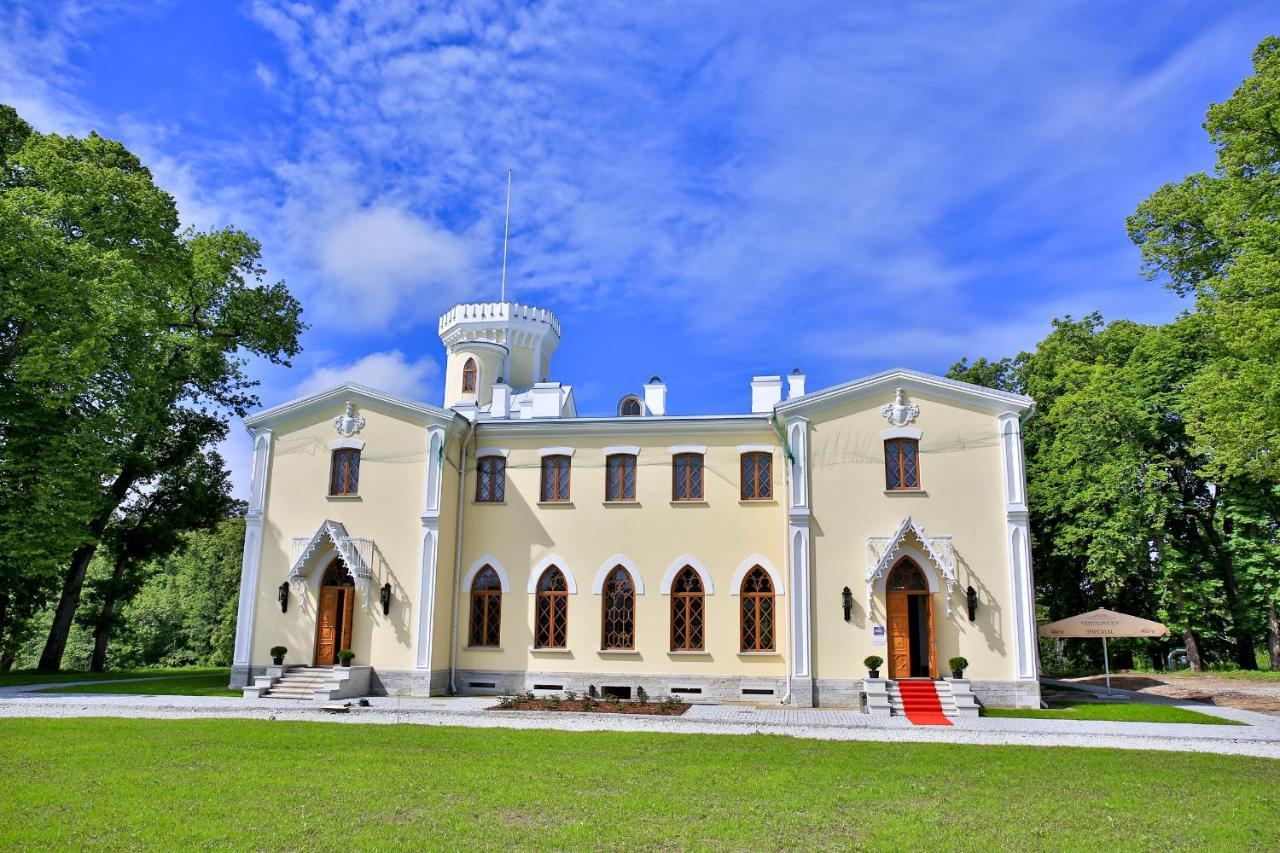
{"x": 882, "y": 698}
{"x": 311, "y": 683}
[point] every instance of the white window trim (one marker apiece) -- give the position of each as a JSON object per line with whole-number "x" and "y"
{"x": 756, "y": 448}
{"x": 900, "y": 432}
{"x": 622, "y": 450}
{"x": 693, "y": 563}
{"x": 346, "y": 444}
{"x": 485, "y": 560}
{"x": 492, "y": 451}
{"x": 555, "y": 451}
{"x": 597, "y": 586}
{"x": 757, "y": 560}
{"x": 535, "y": 574}
{"x": 700, "y": 449}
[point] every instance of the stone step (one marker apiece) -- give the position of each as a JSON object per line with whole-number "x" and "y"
{"x": 276, "y": 693}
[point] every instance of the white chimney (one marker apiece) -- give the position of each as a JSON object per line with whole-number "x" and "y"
{"x": 501, "y": 407}
{"x": 546, "y": 400}
{"x": 795, "y": 384}
{"x": 655, "y": 397}
{"x": 766, "y": 392}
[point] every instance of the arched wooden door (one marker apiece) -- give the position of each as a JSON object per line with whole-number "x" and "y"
{"x": 333, "y": 619}
{"x": 909, "y": 606}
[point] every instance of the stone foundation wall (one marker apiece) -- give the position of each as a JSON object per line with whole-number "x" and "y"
{"x": 700, "y": 688}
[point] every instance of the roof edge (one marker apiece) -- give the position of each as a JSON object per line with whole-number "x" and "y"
{"x": 301, "y": 405}
{"x": 953, "y": 389}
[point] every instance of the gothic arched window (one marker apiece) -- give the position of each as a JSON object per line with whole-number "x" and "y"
{"x": 486, "y": 609}
{"x": 687, "y": 615}
{"x": 757, "y": 611}
{"x": 469, "y": 372}
{"x": 619, "y": 611}
{"x": 551, "y": 611}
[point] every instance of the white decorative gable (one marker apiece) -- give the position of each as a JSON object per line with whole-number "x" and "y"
{"x": 883, "y": 552}
{"x": 355, "y": 552}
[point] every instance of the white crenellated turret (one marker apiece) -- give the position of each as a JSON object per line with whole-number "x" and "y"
{"x": 488, "y": 342}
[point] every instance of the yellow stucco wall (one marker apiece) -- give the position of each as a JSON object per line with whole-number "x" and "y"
{"x": 962, "y": 496}
{"x": 960, "y": 463}
{"x": 651, "y": 533}
{"x": 388, "y": 511}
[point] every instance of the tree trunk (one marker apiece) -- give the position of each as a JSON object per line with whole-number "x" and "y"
{"x": 1273, "y": 634}
{"x": 73, "y": 584}
{"x": 1194, "y": 660}
{"x": 68, "y": 602}
{"x": 8, "y": 656}
{"x": 102, "y": 629}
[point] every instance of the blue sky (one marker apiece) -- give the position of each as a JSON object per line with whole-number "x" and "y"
{"x": 702, "y": 191}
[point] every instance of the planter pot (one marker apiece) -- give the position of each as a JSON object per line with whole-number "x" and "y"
{"x": 957, "y": 674}
{"x": 873, "y": 673}
{"x": 278, "y": 661}
{"x": 347, "y": 662}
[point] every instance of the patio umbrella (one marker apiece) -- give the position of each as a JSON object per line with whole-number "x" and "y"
{"x": 1103, "y": 623}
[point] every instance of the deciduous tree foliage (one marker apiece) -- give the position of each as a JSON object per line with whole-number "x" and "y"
{"x": 1152, "y": 461}
{"x": 116, "y": 331}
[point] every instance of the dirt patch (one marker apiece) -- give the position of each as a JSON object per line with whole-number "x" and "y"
{"x": 652, "y": 709}
{"x": 1225, "y": 692}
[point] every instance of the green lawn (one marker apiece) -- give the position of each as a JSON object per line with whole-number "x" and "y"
{"x": 1128, "y": 712}
{"x": 205, "y": 684}
{"x": 23, "y": 677}
{"x": 126, "y": 784}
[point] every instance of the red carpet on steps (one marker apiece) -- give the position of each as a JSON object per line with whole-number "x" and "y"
{"x": 920, "y": 703}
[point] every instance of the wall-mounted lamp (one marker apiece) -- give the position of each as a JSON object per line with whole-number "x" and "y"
{"x": 282, "y": 595}
{"x": 846, "y": 599}
{"x": 385, "y": 597}
{"x": 971, "y": 598}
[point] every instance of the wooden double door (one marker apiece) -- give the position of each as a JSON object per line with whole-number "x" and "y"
{"x": 909, "y": 607}
{"x": 333, "y": 621}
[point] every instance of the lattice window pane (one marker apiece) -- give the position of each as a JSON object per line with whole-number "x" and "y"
{"x": 910, "y": 470}
{"x": 628, "y": 478}
{"x": 619, "y": 611}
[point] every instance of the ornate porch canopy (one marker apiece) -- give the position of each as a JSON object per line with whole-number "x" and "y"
{"x": 883, "y": 552}
{"x": 356, "y": 554}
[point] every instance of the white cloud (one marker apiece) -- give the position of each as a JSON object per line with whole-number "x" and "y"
{"x": 388, "y": 264}
{"x": 386, "y": 371}
{"x": 265, "y": 76}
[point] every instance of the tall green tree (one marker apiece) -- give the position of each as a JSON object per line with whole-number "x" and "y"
{"x": 190, "y": 490}
{"x": 113, "y": 327}
{"x": 1216, "y": 239}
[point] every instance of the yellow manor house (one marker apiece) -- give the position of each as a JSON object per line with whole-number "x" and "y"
{"x": 501, "y": 543}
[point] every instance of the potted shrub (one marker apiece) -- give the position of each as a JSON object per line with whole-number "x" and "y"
{"x": 277, "y": 655}
{"x": 958, "y": 666}
{"x": 873, "y": 665}
{"x": 345, "y": 655}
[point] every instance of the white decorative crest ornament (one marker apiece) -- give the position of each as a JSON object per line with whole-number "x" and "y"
{"x": 348, "y": 423}
{"x": 900, "y": 412}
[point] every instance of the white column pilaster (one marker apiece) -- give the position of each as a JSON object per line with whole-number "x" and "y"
{"x": 1018, "y": 544}
{"x": 433, "y": 477}
{"x": 798, "y": 511}
{"x": 251, "y": 556}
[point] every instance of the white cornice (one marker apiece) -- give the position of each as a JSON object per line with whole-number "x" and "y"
{"x": 668, "y": 425}
{"x": 938, "y": 386}
{"x": 411, "y": 409}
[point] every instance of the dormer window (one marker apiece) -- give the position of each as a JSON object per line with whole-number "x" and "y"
{"x": 344, "y": 472}
{"x": 469, "y": 371}
{"x": 630, "y": 407}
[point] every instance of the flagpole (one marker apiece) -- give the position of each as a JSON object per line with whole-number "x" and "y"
{"x": 506, "y": 229}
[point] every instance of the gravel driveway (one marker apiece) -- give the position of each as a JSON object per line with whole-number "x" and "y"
{"x": 1248, "y": 695}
